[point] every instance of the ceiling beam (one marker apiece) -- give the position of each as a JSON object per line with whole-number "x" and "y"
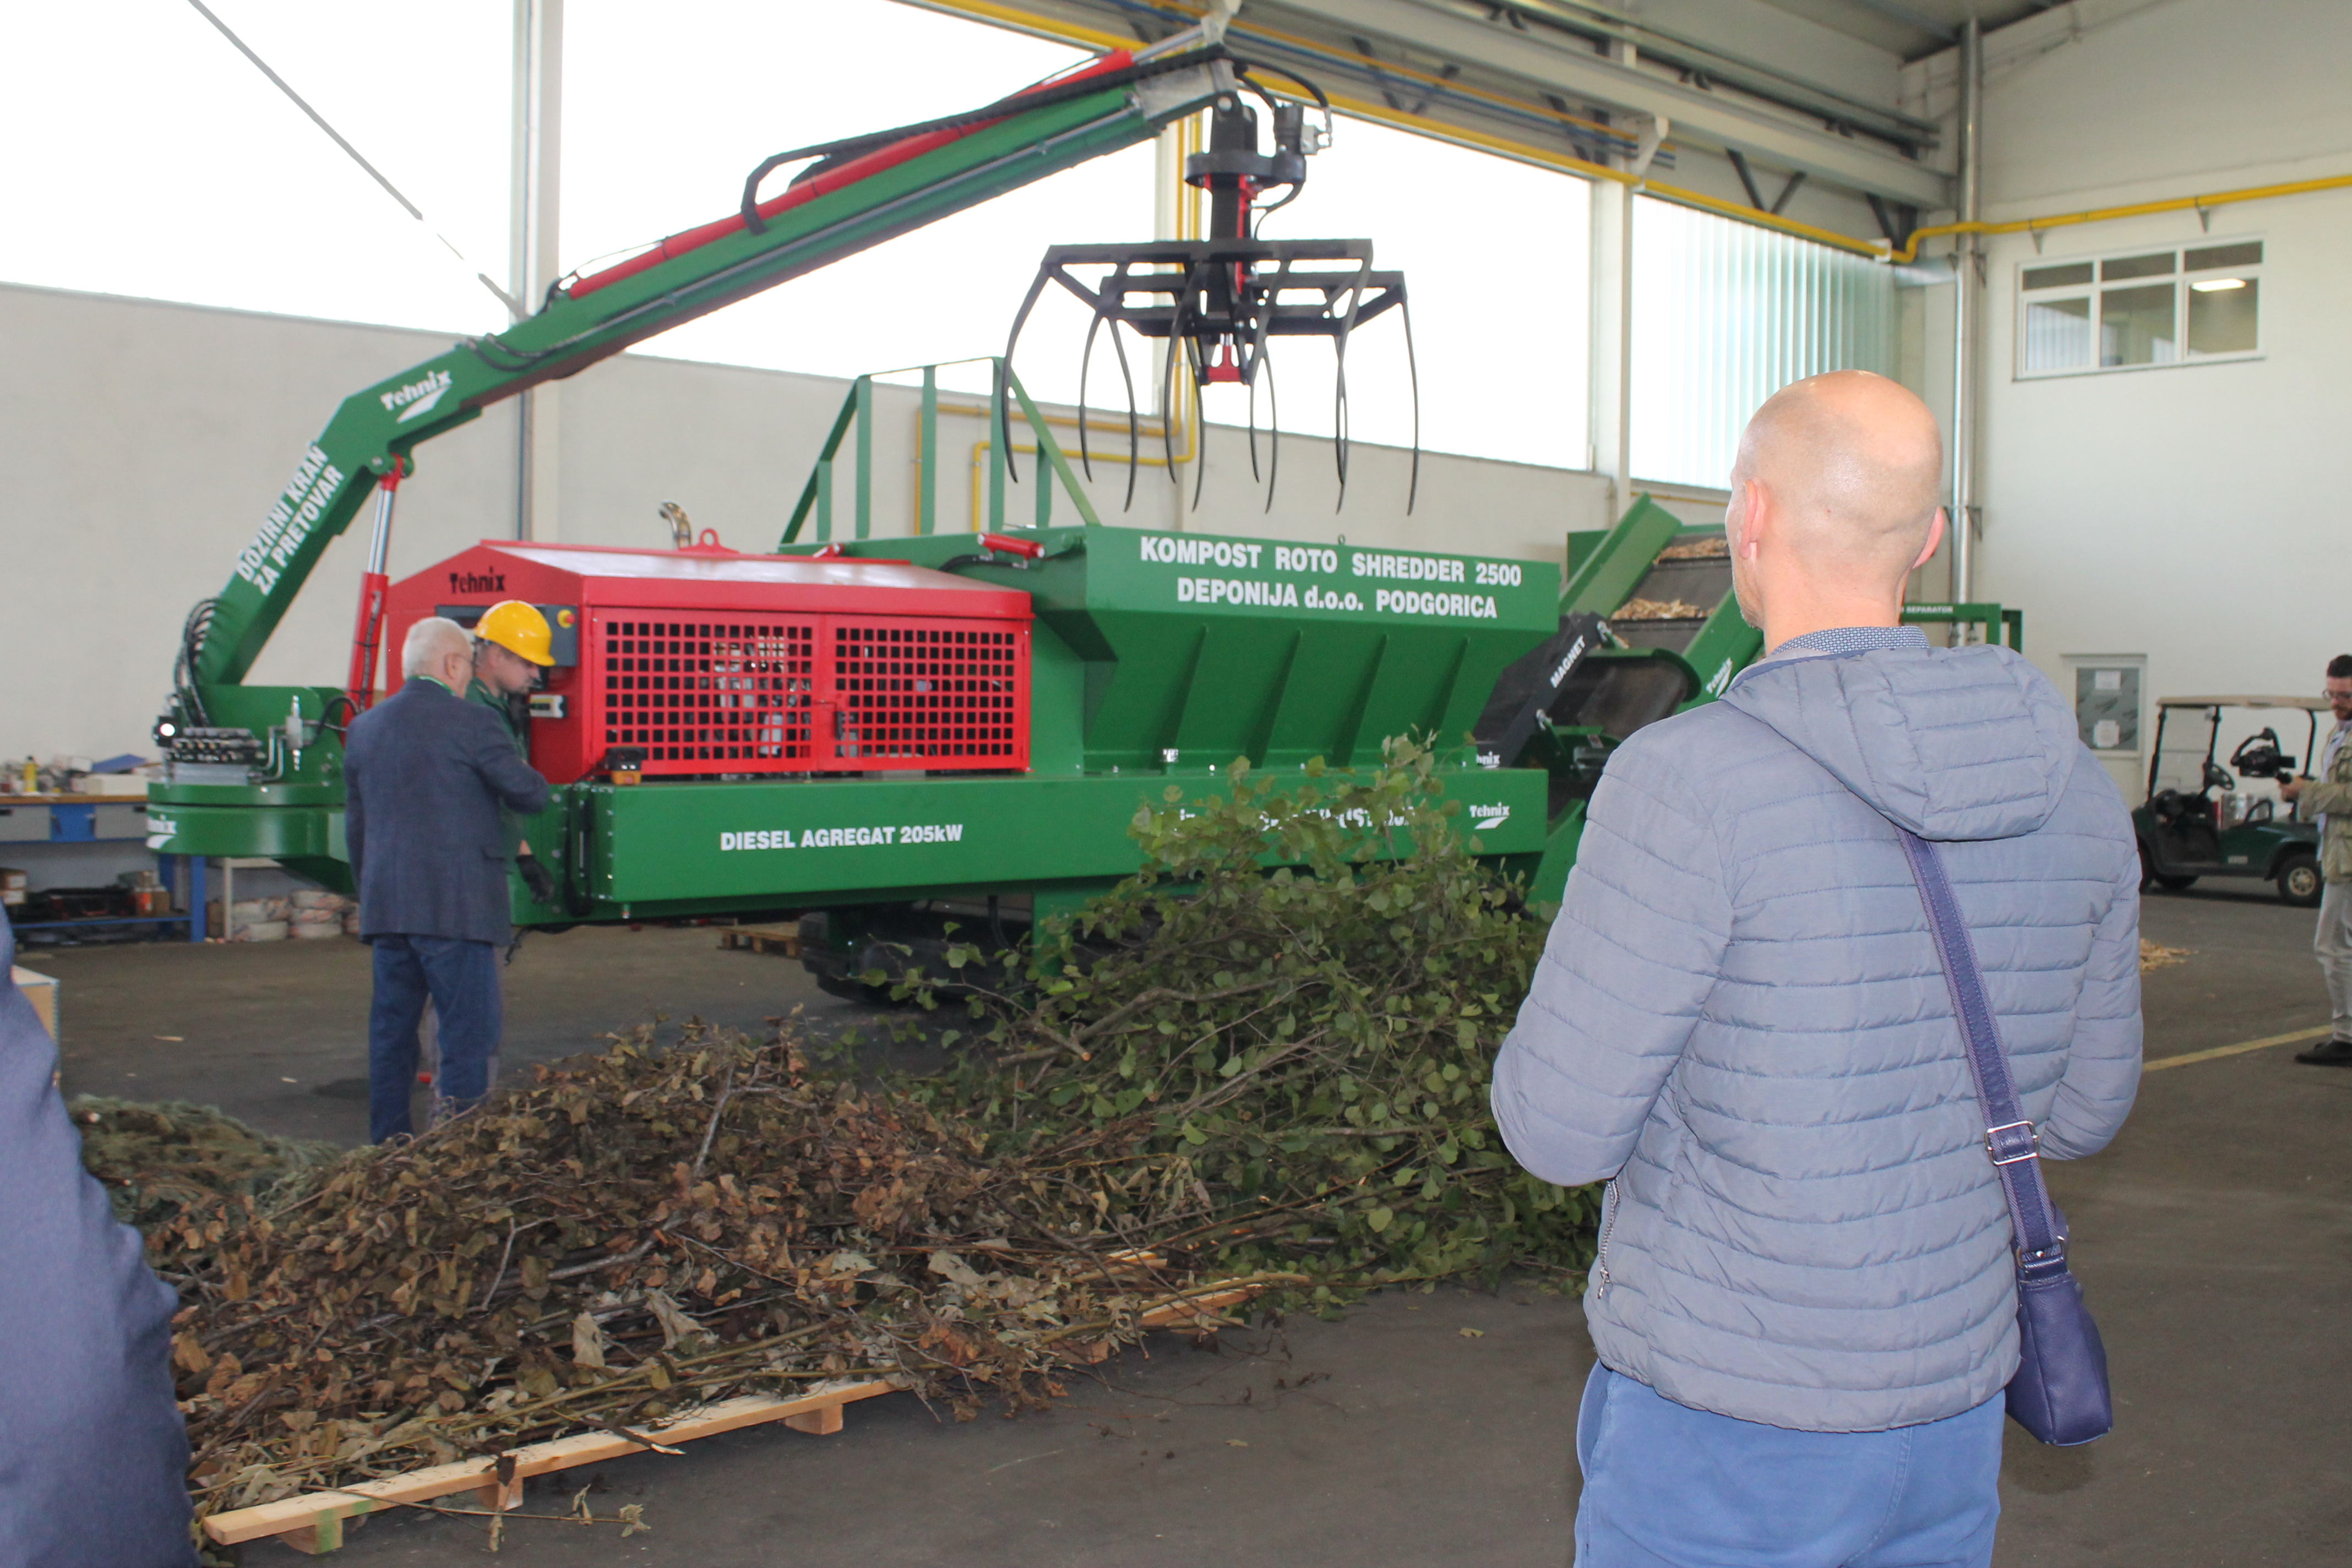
{"x": 1700, "y": 118}
{"x": 1893, "y": 11}
{"x": 1685, "y": 54}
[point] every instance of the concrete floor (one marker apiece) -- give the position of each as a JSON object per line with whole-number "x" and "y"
{"x": 2215, "y": 1239}
{"x": 277, "y": 1032}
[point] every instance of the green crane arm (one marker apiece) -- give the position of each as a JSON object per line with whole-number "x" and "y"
{"x": 866, "y": 194}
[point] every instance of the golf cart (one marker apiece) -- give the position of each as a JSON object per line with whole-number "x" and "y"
{"x": 2186, "y": 831}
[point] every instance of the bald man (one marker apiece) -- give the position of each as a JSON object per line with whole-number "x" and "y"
{"x": 1804, "y": 1299}
{"x": 425, "y": 774}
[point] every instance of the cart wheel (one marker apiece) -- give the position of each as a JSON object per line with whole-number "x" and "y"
{"x": 2299, "y": 881}
{"x": 2150, "y": 876}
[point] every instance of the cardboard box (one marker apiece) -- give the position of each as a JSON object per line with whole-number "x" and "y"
{"x": 41, "y": 990}
{"x": 132, "y": 785}
{"x": 12, "y": 887}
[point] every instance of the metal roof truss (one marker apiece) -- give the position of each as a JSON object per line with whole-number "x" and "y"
{"x": 1533, "y": 73}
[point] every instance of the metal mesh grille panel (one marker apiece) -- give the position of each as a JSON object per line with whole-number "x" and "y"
{"x": 743, "y": 692}
{"x": 931, "y": 694}
{"x": 705, "y": 694}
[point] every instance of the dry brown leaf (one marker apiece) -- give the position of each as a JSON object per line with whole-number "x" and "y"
{"x": 587, "y": 1343}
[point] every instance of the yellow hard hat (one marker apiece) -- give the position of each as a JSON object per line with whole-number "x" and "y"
{"x": 519, "y": 629}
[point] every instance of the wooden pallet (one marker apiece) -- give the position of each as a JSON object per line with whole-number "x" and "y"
{"x": 313, "y": 1521}
{"x": 783, "y": 940}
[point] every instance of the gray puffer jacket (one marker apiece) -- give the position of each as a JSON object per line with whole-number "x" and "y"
{"x": 1739, "y": 1017}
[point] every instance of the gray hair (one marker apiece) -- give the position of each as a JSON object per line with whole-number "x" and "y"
{"x": 429, "y": 642}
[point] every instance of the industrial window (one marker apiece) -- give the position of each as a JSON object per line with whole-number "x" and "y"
{"x": 1725, "y": 314}
{"x": 2138, "y": 310}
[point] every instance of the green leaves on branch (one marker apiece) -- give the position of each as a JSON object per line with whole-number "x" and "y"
{"x": 1275, "y": 1042}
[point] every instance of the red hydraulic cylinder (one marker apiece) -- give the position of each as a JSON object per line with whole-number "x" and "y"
{"x": 367, "y": 631}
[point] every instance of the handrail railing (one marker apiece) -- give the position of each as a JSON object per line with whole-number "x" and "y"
{"x": 856, "y": 419}
{"x": 1993, "y": 619}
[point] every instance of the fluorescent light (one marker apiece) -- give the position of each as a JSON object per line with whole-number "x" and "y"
{"x": 2216, "y": 285}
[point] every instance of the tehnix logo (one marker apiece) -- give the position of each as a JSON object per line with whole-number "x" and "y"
{"x": 417, "y": 397}
{"x": 477, "y": 582}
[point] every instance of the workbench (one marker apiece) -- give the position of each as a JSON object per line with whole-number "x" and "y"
{"x": 98, "y": 819}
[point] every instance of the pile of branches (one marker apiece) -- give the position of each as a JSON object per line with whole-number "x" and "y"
{"x": 1263, "y": 1061}
{"x": 636, "y": 1232}
{"x": 157, "y": 1161}
{"x": 1290, "y": 1067}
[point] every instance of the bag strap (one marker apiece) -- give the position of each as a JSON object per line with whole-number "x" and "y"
{"x": 2010, "y": 1138}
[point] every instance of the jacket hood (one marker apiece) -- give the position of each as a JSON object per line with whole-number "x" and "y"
{"x": 1952, "y": 744}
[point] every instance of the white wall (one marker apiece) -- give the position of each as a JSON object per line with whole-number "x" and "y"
{"x": 139, "y": 445}
{"x": 141, "y": 442}
{"x": 2189, "y": 513}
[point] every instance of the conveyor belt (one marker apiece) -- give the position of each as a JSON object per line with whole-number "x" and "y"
{"x": 1702, "y": 581}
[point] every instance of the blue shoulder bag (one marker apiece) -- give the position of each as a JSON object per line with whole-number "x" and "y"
{"x": 2060, "y": 1392}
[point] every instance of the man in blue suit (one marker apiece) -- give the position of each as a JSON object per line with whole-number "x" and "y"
{"x": 425, "y": 772}
{"x": 93, "y": 1458}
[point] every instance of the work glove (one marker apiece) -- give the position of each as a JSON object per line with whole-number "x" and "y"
{"x": 535, "y": 877}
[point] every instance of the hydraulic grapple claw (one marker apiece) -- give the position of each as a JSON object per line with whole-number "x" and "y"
{"x": 1220, "y": 302}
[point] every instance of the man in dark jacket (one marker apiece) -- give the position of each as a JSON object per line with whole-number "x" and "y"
{"x": 1803, "y": 1301}
{"x": 425, "y": 774}
{"x": 93, "y": 1459}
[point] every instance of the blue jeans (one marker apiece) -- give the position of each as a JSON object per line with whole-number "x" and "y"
{"x": 462, "y": 980}
{"x": 1669, "y": 1487}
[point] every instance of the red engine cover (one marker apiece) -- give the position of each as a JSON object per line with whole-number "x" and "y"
{"x": 708, "y": 661}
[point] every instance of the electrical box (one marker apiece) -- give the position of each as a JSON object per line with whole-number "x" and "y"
{"x": 2107, "y": 692}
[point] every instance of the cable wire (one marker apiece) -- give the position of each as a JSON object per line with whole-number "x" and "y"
{"x": 411, "y": 208}
{"x": 193, "y": 633}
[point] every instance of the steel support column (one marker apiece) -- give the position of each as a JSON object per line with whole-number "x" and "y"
{"x": 1610, "y": 404}
{"x": 1968, "y": 267}
{"x": 532, "y": 265}
{"x": 1612, "y": 339}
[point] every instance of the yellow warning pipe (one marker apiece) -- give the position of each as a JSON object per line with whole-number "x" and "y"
{"x": 2107, "y": 215}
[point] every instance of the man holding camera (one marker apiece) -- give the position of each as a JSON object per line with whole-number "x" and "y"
{"x": 2328, "y": 799}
